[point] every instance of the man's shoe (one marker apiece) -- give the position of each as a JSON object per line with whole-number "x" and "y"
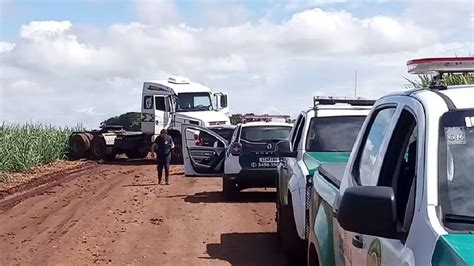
{"x": 167, "y": 183}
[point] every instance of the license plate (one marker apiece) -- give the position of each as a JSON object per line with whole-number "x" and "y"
{"x": 269, "y": 159}
{"x": 263, "y": 165}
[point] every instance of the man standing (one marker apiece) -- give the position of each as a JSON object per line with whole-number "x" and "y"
{"x": 162, "y": 146}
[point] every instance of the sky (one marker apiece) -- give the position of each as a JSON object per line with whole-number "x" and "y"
{"x": 80, "y": 62}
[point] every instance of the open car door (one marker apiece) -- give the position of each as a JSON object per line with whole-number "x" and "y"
{"x": 203, "y": 151}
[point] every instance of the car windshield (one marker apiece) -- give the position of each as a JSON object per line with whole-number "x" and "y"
{"x": 196, "y": 101}
{"x": 333, "y": 133}
{"x": 265, "y": 133}
{"x": 456, "y": 166}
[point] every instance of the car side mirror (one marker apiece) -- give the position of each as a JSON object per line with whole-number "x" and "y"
{"x": 369, "y": 210}
{"x": 283, "y": 149}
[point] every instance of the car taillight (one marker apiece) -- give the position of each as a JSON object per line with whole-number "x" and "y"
{"x": 236, "y": 149}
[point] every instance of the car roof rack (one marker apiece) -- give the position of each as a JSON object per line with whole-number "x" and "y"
{"x": 329, "y": 100}
{"x": 439, "y": 67}
{"x": 264, "y": 118}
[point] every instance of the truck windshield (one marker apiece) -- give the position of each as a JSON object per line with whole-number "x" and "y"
{"x": 333, "y": 133}
{"x": 456, "y": 168}
{"x": 265, "y": 133}
{"x": 195, "y": 101}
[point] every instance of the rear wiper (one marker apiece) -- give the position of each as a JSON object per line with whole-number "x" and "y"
{"x": 457, "y": 218}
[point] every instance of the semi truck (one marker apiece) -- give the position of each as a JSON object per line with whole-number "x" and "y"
{"x": 165, "y": 104}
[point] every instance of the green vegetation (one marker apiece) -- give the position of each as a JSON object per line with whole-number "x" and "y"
{"x": 131, "y": 121}
{"x": 236, "y": 119}
{"x": 26, "y": 146}
{"x": 424, "y": 80}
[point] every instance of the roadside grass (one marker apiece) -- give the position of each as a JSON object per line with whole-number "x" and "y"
{"x": 23, "y": 147}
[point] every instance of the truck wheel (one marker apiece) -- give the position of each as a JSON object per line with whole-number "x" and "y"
{"x": 79, "y": 146}
{"x": 294, "y": 247}
{"x": 98, "y": 148}
{"x": 110, "y": 154}
{"x": 228, "y": 188}
{"x": 137, "y": 154}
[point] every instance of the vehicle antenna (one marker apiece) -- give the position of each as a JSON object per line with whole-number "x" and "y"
{"x": 355, "y": 85}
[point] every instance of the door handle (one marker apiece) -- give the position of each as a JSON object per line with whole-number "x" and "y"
{"x": 358, "y": 242}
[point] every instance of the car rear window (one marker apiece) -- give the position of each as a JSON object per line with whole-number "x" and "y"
{"x": 334, "y": 133}
{"x": 265, "y": 133}
{"x": 226, "y": 133}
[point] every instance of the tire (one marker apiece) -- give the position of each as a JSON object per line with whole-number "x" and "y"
{"x": 79, "y": 146}
{"x": 228, "y": 188}
{"x": 110, "y": 154}
{"x": 137, "y": 154}
{"x": 99, "y": 150}
{"x": 313, "y": 259}
{"x": 294, "y": 247}
{"x": 278, "y": 211}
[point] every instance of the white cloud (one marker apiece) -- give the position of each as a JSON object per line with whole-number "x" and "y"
{"x": 452, "y": 19}
{"x": 68, "y": 74}
{"x": 318, "y": 30}
{"x": 222, "y": 14}
{"x": 44, "y": 29}
{"x": 159, "y": 13}
{"x": 6, "y": 47}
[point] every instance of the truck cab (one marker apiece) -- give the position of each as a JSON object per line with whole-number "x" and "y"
{"x": 168, "y": 104}
{"x": 405, "y": 196}
{"x": 324, "y": 133}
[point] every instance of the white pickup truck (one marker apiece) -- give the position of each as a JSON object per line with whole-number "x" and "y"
{"x": 324, "y": 133}
{"x": 406, "y": 195}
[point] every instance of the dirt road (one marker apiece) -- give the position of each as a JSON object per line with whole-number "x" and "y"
{"x": 116, "y": 214}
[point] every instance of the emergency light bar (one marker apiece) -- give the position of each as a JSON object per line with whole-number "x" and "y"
{"x": 318, "y": 100}
{"x": 265, "y": 117}
{"x": 441, "y": 65}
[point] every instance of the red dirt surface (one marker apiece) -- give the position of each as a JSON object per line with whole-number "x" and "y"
{"x": 116, "y": 214}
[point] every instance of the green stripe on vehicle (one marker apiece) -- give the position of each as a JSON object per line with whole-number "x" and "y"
{"x": 312, "y": 160}
{"x": 324, "y": 234}
{"x": 454, "y": 249}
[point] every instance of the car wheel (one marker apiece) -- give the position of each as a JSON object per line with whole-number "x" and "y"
{"x": 229, "y": 188}
{"x": 294, "y": 247}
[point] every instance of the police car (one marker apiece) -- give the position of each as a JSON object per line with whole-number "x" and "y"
{"x": 406, "y": 194}
{"x": 248, "y": 160}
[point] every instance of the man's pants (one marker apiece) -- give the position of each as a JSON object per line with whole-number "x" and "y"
{"x": 163, "y": 161}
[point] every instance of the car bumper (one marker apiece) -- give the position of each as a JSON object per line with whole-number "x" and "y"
{"x": 254, "y": 178}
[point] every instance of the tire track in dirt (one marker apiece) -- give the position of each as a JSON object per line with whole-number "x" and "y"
{"x": 116, "y": 214}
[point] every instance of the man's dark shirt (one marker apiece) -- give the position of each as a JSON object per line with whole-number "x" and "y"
{"x": 163, "y": 145}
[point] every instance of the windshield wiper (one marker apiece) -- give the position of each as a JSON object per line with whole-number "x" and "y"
{"x": 457, "y": 218}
